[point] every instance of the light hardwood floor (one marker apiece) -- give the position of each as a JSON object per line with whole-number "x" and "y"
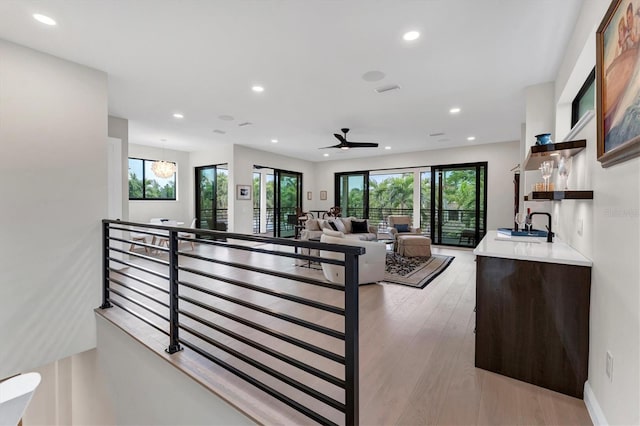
{"x": 416, "y": 355}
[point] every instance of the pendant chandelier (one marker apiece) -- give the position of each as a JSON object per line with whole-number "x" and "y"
{"x": 163, "y": 169}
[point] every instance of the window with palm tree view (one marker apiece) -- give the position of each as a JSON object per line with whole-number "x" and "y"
{"x": 145, "y": 185}
{"x": 448, "y": 203}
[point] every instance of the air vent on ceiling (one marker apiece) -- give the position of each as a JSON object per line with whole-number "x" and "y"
{"x": 388, "y": 88}
{"x": 245, "y": 123}
{"x": 433, "y": 135}
{"x": 221, "y": 132}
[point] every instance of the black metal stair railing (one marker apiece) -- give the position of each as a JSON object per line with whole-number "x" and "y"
{"x": 208, "y": 300}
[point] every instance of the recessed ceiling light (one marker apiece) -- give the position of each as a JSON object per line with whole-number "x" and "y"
{"x": 325, "y": 155}
{"x": 344, "y": 148}
{"x": 178, "y": 115}
{"x": 387, "y": 147}
{"x": 455, "y": 110}
{"x": 471, "y": 138}
{"x": 555, "y": 154}
{"x": 44, "y": 19}
{"x": 274, "y": 140}
{"x": 258, "y": 89}
{"x": 411, "y": 35}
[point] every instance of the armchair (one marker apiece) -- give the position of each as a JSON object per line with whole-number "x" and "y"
{"x": 400, "y": 220}
{"x": 371, "y": 265}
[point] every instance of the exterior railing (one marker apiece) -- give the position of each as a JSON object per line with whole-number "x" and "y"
{"x": 194, "y": 298}
{"x": 457, "y": 227}
{"x": 221, "y": 219}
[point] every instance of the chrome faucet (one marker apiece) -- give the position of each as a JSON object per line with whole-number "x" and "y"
{"x": 549, "y": 233}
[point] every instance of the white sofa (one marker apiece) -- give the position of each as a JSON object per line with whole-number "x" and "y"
{"x": 313, "y": 228}
{"x": 370, "y": 265}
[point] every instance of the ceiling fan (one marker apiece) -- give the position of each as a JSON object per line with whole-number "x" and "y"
{"x": 345, "y": 144}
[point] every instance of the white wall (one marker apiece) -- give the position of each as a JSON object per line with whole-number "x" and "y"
{"x": 143, "y": 210}
{"x": 610, "y": 237}
{"x": 501, "y": 157}
{"x": 53, "y": 186}
{"x": 153, "y": 392}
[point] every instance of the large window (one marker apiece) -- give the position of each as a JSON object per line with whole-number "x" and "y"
{"x": 145, "y": 185}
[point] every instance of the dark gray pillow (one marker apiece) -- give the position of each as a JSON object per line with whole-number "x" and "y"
{"x": 359, "y": 227}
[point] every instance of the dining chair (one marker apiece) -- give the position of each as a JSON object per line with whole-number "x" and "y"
{"x": 140, "y": 237}
{"x": 189, "y": 234}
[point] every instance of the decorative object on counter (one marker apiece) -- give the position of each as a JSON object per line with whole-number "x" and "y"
{"x": 564, "y": 168}
{"x": 543, "y": 139}
{"x": 617, "y": 101}
{"x": 520, "y": 219}
{"x": 546, "y": 168}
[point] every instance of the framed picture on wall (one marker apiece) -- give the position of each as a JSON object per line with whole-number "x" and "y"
{"x": 309, "y": 195}
{"x": 618, "y": 83}
{"x": 323, "y": 195}
{"x": 243, "y": 192}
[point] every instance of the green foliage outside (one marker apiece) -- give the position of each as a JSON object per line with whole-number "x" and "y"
{"x": 222, "y": 187}
{"x": 152, "y": 189}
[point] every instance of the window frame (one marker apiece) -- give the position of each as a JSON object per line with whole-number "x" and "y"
{"x": 575, "y": 104}
{"x": 144, "y": 186}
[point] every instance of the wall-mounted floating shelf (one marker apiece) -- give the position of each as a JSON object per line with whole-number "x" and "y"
{"x": 559, "y": 195}
{"x": 540, "y": 153}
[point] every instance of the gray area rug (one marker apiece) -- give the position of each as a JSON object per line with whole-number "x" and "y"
{"x": 414, "y": 271}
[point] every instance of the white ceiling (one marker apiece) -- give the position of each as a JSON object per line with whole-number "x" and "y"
{"x": 201, "y": 58}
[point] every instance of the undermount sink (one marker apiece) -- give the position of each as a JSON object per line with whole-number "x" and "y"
{"x": 538, "y": 233}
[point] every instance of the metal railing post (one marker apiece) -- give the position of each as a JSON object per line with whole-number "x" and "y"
{"x": 174, "y": 342}
{"x": 105, "y": 266}
{"x": 351, "y": 339}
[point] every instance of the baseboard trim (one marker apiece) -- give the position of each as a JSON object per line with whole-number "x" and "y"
{"x": 595, "y": 412}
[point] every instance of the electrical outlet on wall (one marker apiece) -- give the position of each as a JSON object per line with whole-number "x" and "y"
{"x": 609, "y": 366}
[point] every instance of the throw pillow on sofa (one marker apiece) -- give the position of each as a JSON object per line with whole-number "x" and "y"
{"x": 330, "y": 225}
{"x": 359, "y": 227}
{"x": 402, "y": 228}
{"x": 312, "y": 225}
{"x": 336, "y": 225}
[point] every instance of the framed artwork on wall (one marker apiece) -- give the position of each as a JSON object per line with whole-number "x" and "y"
{"x": 618, "y": 83}
{"x": 323, "y": 195}
{"x": 243, "y": 192}
{"x": 309, "y": 195}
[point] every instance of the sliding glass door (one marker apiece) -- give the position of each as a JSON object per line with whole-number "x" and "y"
{"x": 458, "y": 204}
{"x": 352, "y": 193}
{"x": 287, "y": 197}
{"x": 212, "y": 185}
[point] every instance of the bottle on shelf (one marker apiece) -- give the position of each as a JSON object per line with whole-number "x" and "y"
{"x": 527, "y": 224}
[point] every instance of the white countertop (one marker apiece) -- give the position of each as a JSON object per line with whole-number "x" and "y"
{"x": 497, "y": 244}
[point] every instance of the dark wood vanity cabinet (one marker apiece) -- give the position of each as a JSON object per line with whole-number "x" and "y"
{"x": 532, "y": 322}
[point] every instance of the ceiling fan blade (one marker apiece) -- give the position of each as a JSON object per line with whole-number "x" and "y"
{"x": 362, "y": 144}
{"x": 333, "y": 146}
{"x": 340, "y": 138}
